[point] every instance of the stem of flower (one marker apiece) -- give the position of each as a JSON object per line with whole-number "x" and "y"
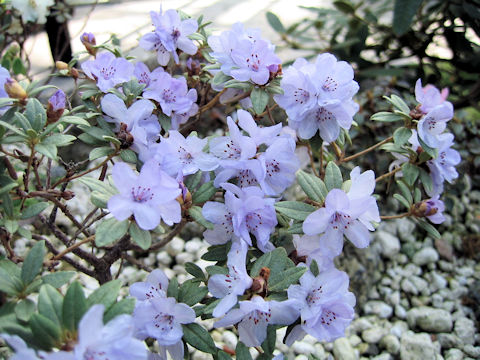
{"x": 337, "y": 151}
{"x": 399, "y": 216}
{"x": 373, "y": 147}
{"x": 384, "y": 176}
{"x": 73, "y": 247}
{"x": 212, "y": 102}
{"x": 312, "y": 163}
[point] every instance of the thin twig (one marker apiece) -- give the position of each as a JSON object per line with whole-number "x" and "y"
{"x": 73, "y": 247}
{"x": 337, "y": 151}
{"x": 312, "y": 163}
{"x": 399, "y": 216}
{"x": 373, "y": 147}
{"x": 384, "y": 176}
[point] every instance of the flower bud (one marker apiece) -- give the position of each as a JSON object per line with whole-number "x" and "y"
{"x": 424, "y": 209}
{"x": 68, "y": 195}
{"x": 74, "y": 73}
{"x": 56, "y": 106}
{"x": 61, "y": 65}
{"x": 15, "y": 90}
{"x": 88, "y": 40}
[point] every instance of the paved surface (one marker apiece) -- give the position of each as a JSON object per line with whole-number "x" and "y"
{"x": 129, "y": 20}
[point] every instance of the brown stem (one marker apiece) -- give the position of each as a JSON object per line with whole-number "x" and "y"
{"x": 212, "y": 102}
{"x": 399, "y": 216}
{"x": 312, "y": 163}
{"x": 322, "y": 171}
{"x": 337, "y": 151}
{"x": 73, "y": 247}
{"x": 373, "y": 147}
{"x": 135, "y": 262}
{"x": 176, "y": 230}
{"x": 384, "y": 176}
{"x": 270, "y": 116}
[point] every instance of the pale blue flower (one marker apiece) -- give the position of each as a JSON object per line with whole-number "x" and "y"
{"x": 229, "y": 287}
{"x": 325, "y": 305}
{"x": 144, "y": 75}
{"x": 253, "y": 317}
{"x": 434, "y": 210}
{"x": 429, "y": 96}
{"x": 108, "y": 70}
{"x": 155, "y": 286}
{"x": 432, "y": 125}
{"x": 149, "y": 196}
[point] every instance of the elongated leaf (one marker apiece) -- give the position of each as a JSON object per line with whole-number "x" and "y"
{"x": 24, "y": 309}
{"x": 141, "y": 237}
{"x": 33, "y": 262}
{"x": 76, "y": 120}
{"x": 50, "y": 303}
{"x": 74, "y": 306}
{"x": 410, "y": 173}
{"x": 190, "y": 293}
{"x": 403, "y": 13}
{"x": 294, "y": 209}
{"x": 204, "y": 193}
{"x": 199, "y": 338}
{"x": 33, "y": 210}
{"x": 406, "y": 192}
{"x": 402, "y": 200}
{"x": 313, "y": 186}
{"x": 384, "y": 116}
{"x": 49, "y": 150}
{"x": 110, "y": 230}
{"x": 259, "y": 100}
{"x": 429, "y": 228}
{"x": 275, "y": 22}
{"x": 45, "y": 331}
{"x": 99, "y": 152}
{"x": 105, "y": 294}
{"x": 36, "y": 114}
{"x": 9, "y": 283}
{"x": 401, "y": 136}
{"x": 275, "y": 260}
{"x": 57, "y": 279}
{"x": 194, "y": 270}
{"x": 196, "y": 213}
{"x": 333, "y": 176}
{"x": 281, "y": 281}
{"x": 124, "y": 306}
{"x": 241, "y": 352}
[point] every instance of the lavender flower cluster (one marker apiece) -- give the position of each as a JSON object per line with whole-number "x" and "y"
{"x": 251, "y": 166}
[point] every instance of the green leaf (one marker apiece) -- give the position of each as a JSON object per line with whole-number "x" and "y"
{"x": 172, "y": 290}
{"x": 406, "y": 192}
{"x": 199, "y": 338}
{"x": 33, "y": 210}
{"x": 124, "y": 306}
{"x": 195, "y": 271}
{"x": 33, "y": 287}
{"x": 105, "y": 294}
{"x": 204, "y": 193}
{"x": 214, "y": 269}
{"x": 74, "y": 306}
{"x": 216, "y": 253}
{"x": 275, "y": 22}
{"x": 313, "y": 186}
{"x": 427, "y": 181}
{"x": 141, "y": 237}
{"x": 11, "y": 225}
{"x": 344, "y": 6}
{"x": 236, "y": 84}
{"x": 97, "y": 185}
{"x": 281, "y": 281}
{"x": 44, "y": 330}
{"x": 384, "y": 116}
{"x": 314, "y": 268}
{"x": 429, "y": 228}
{"x": 18, "y": 67}
{"x": 193, "y": 180}
{"x": 269, "y": 344}
{"x": 99, "y": 152}
{"x": 191, "y": 293}
{"x": 58, "y": 279}
{"x": 275, "y": 260}
{"x": 259, "y": 100}
{"x": 399, "y": 104}
{"x": 13, "y": 128}
{"x": 410, "y": 173}
{"x": 430, "y": 151}
{"x": 128, "y": 156}
{"x": 220, "y": 78}
{"x": 8, "y": 187}
{"x": 50, "y": 303}
{"x": 49, "y": 150}
{"x": 294, "y": 209}
{"x": 196, "y": 213}
{"x": 76, "y": 120}
{"x": 296, "y": 228}
{"x": 403, "y": 13}
{"x": 333, "y": 176}
{"x": 36, "y": 114}
{"x": 402, "y": 200}
{"x": 9, "y": 283}
{"x": 241, "y": 352}
{"x": 24, "y": 309}
{"x": 401, "y": 136}
{"x": 110, "y": 230}
{"x": 33, "y": 262}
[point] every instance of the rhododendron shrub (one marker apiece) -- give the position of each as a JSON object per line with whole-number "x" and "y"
{"x": 153, "y": 168}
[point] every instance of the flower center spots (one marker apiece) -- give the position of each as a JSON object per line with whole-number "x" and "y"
{"x": 340, "y": 220}
{"x": 301, "y": 96}
{"x": 330, "y": 84}
{"x": 323, "y": 115}
{"x": 246, "y": 178}
{"x": 328, "y": 317}
{"x": 163, "y": 322}
{"x": 272, "y": 167}
{"x": 442, "y": 158}
{"x": 253, "y": 221}
{"x": 95, "y": 355}
{"x": 108, "y": 72}
{"x": 227, "y": 223}
{"x": 258, "y": 316}
{"x": 232, "y": 151}
{"x": 314, "y": 296}
{"x": 153, "y": 291}
{"x": 169, "y": 96}
{"x": 175, "y": 34}
{"x": 431, "y": 123}
{"x": 185, "y": 156}
{"x": 158, "y": 46}
{"x": 144, "y": 78}
{"x": 141, "y": 194}
{"x": 253, "y": 62}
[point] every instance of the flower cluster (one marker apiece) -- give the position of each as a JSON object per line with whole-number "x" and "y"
{"x": 318, "y": 97}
